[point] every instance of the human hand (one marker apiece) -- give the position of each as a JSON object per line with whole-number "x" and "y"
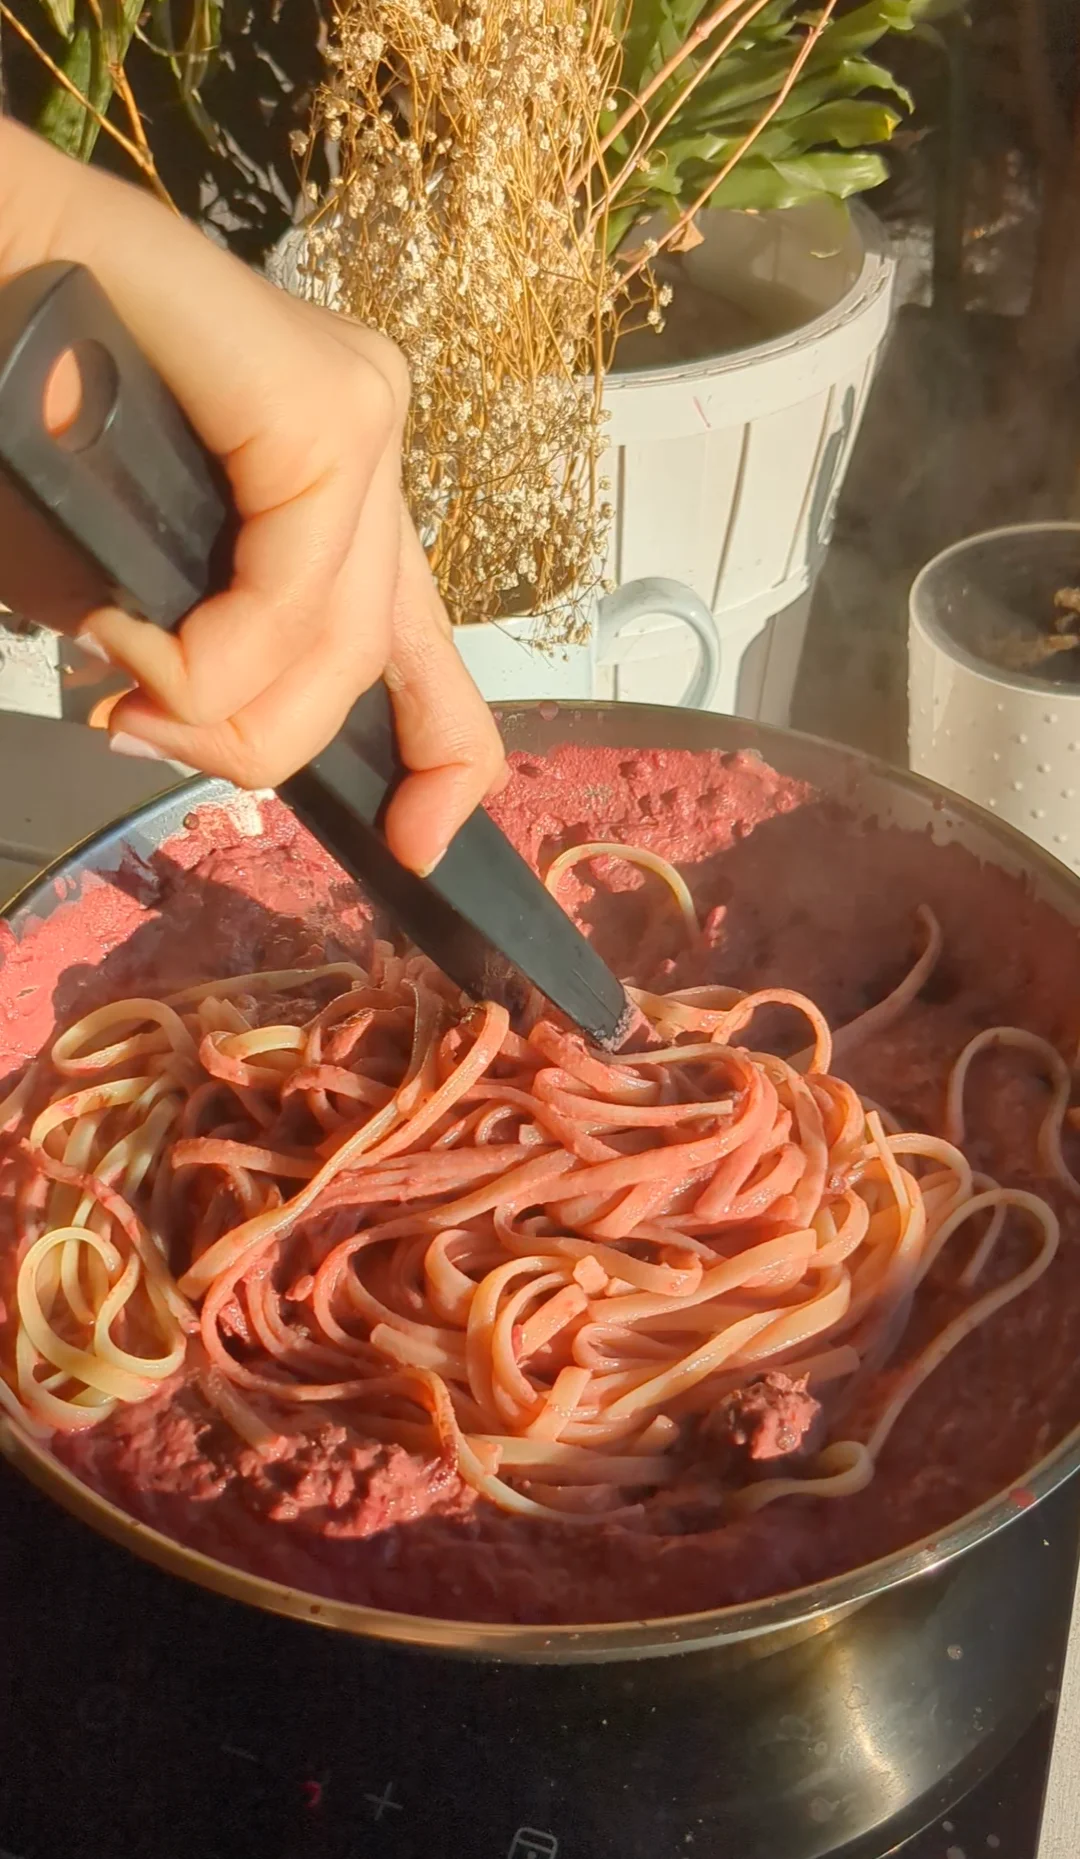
{"x": 330, "y": 587}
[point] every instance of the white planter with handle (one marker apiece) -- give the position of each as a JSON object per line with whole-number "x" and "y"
{"x": 508, "y": 661}
{"x": 725, "y": 472}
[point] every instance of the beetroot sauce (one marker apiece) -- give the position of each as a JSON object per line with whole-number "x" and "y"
{"x": 792, "y": 892}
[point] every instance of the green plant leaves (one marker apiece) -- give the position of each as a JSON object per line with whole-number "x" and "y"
{"x": 190, "y": 54}
{"x": 849, "y": 77}
{"x": 847, "y": 122}
{"x": 819, "y": 143}
{"x": 758, "y": 184}
{"x": 95, "y": 47}
{"x": 61, "y": 15}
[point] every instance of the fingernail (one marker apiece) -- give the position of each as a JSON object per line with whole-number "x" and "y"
{"x": 425, "y": 871}
{"x": 92, "y": 647}
{"x": 103, "y": 709}
{"x": 134, "y": 745}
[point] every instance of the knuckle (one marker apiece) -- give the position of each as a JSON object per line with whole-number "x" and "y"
{"x": 196, "y": 707}
{"x": 378, "y": 393}
{"x": 236, "y": 752}
{"x": 397, "y": 373}
{"x": 253, "y": 765}
{"x": 481, "y": 761}
{"x": 494, "y": 764}
{"x": 492, "y": 750}
{"x": 385, "y": 358}
{"x": 207, "y": 715}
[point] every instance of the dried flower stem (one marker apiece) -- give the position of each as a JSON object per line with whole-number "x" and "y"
{"x": 122, "y": 86}
{"x": 637, "y": 104}
{"x": 652, "y": 131}
{"x": 469, "y": 223}
{"x": 62, "y": 78}
{"x": 454, "y": 227}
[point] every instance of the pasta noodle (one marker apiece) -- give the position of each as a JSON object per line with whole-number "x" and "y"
{"x": 338, "y": 1188}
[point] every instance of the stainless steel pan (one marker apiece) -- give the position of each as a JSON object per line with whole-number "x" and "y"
{"x": 871, "y": 791}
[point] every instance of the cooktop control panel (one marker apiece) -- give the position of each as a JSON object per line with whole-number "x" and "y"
{"x": 143, "y": 1719}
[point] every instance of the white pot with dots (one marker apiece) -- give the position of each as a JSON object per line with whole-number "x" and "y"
{"x": 994, "y": 686}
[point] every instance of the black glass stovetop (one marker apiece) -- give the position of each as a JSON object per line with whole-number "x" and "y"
{"x": 143, "y": 1719}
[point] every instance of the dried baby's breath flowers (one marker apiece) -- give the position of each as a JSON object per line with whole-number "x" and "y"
{"x": 455, "y": 226}
{"x": 470, "y": 221}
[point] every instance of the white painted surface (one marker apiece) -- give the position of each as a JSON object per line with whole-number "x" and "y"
{"x": 1060, "y": 1834}
{"x": 726, "y": 472}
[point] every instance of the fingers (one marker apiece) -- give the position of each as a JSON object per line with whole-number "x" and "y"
{"x": 288, "y": 556}
{"x": 236, "y": 645}
{"x": 265, "y": 742}
{"x": 446, "y": 732}
{"x": 295, "y": 717}
{"x": 259, "y": 747}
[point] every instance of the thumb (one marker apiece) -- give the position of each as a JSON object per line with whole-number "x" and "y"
{"x": 446, "y": 732}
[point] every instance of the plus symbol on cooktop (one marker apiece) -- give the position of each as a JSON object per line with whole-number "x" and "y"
{"x": 380, "y": 1802}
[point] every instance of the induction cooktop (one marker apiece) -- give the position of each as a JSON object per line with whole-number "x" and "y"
{"x": 141, "y": 1718}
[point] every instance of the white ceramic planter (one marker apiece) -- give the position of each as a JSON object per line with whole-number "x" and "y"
{"x": 726, "y": 472}
{"x": 507, "y": 660}
{"x": 1006, "y": 740}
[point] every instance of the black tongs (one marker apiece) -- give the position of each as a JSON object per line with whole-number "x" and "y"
{"x": 135, "y": 509}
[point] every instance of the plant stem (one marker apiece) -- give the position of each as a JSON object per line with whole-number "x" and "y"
{"x": 65, "y": 82}
{"x": 74, "y": 125}
{"x": 137, "y": 150}
{"x": 655, "y": 130}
